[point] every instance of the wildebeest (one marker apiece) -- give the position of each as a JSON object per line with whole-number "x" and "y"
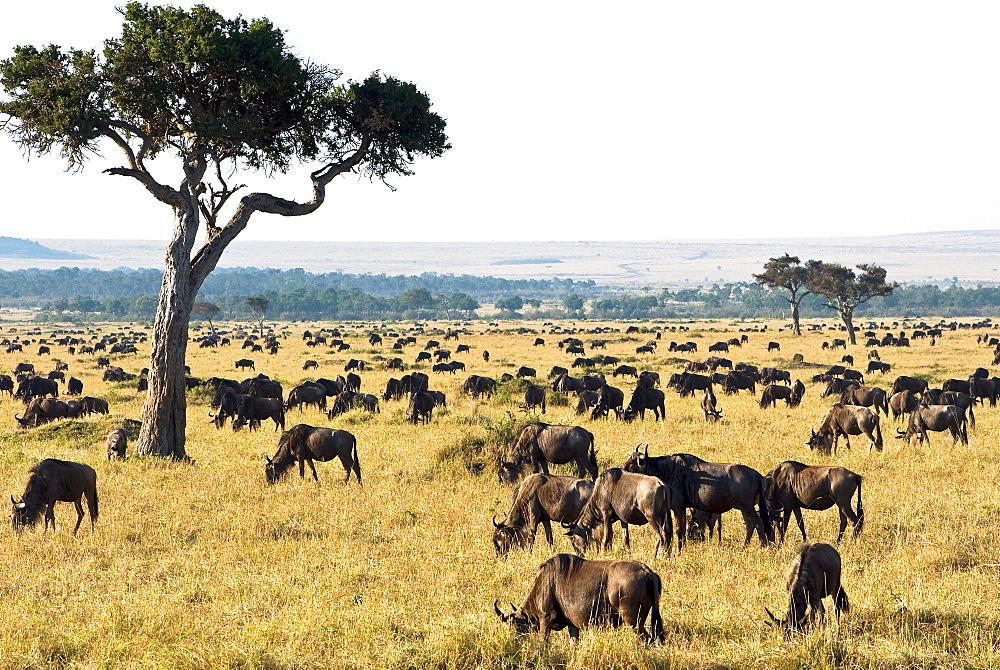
{"x": 534, "y": 396}
{"x": 963, "y": 401}
{"x": 539, "y": 342}
{"x": 711, "y": 487}
{"x": 625, "y": 370}
{"x": 53, "y": 481}
{"x": 252, "y": 411}
{"x": 689, "y": 383}
{"x": 628, "y": 497}
{"x": 773, "y": 346}
{"x": 42, "y": 410}
{"x": 478, "y": 386}
{"x": 7, "y": 384}
{"x": 846, "y": 420}
{"x": 557, "y": 371}
{"x": 307, "y": 394}
{"x": 648, "y": 379}
{"x": 116, "y": 443}
{"x": 36, "y": 387}
{"x": 74, "y": 386}
{"x": 837, "y": 386}
{"x": 719, "y": 346}
{"x": 609, "y": 399}
{"x": 902, "y": 403}
{"x": 89, "y": 405}
{"x": 815, "y": 574}
{"x": 914, "y": 385}
{"x": 793, "y": 486}
{"x": 935, "y": 418}
{"x": 421, "y": 407}
{"x": 571, "y": 592}
{"x": 644, "y": 398}
{"x": 983, "y": 389}
{"x": 540, "y": 444}
{"x": 712, "y": 412}
{"x": 867, "y": 396}
{"x": 305, "y": 444}
{"x": 585, "y": 401}
{"x": 773, "y": 375}
{"x": 540, "y": 499}
{"x": 525, "y": 372}
{"x": 776, "y": 392}
{"x": 244, "y": 363}
{"x": 878, "y": 366}
{"x": 734, "y": 382}
{"x": 310, "y": 364}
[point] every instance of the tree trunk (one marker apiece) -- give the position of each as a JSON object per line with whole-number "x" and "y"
{"x": 848, "y": 316}
{"x": 164, "y": 413}
{"x": 795, "y": 318}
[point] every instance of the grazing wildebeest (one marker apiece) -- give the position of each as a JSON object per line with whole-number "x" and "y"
{"x": 776, "y": 392}
{"x": 773, "y": 346}
{"x": 74, "y": 386}
{"x": 719, "y": 346}
{"x": 305, "y": 444}
{"x": 793, "y": 486}
{"x": 393, "y": 364}
{"x": 937, "y": 418}
{"x": 310, "y": 364}
{"x": 984, "y": 389}
{"x": 393, "y": 390}
{"x": 525, "y": 372}
{"x": 644, "y": 398}
{"x": 421, "y": 407}
{"x": 540, "y": 444}
{"x": 734, "y": 382}
{"x": 609, "y": 399}
{"x": 648, "y": 379}
{"x": 571, "y": 592}
{"x": 902, "y": 403}
{"x": 36, "y": 387}
{"x": 116, "y": 444}
{"x": 557, "y": 371}
{"x": 423, "y": 356}
{"x": 244, "y": 363}
{"x": 89, "y": 405}
{"x": 625, "y": 370}
{"x": 867, "y": 396}
{"x": 815, "y": 574}
{"x": 837, "y": 386}
{"x": 712, "y": 412}
{"x": 539, "y": 342}
{"x": 42, "y": 410}
{"x": 628, "y": 497}
{"x": 53, "y": 481}
{"x": 586, "y": 400}
{"x": 878, "y": 366}
{"x": 26, "y": 368}
{"x": 534, "y": 396}
{"x": 567, "y": 384}
{"x": 774, "y": 375}
{"x": 252, "y": 411}
{"x": 540, "y": 499}
{"x": 309, "y": 393}
{"x": 846, "y": 420}
{"x": 963, "y": 401}
{"x": 699, "y": 522}
{"x": 914, "y": 385}
{"x": 689, "y": 383}
{"x": 711, "y": 487}
{"x": 593, "y": 381}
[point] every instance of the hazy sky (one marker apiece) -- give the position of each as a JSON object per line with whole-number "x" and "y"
{"x": 573, "y": 121}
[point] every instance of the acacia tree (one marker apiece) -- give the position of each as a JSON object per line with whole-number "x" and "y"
{"x": 844, "y": 290}
{"x": 219, "y": 96}
{"x": 788, "y": 273}
{"x": 208, "y": 311}
{"x": 258, "y": 307}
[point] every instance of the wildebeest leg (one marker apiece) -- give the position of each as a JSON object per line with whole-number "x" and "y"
{"x": 78, "y": 503}
{"x": 547, "y": 525}
{"x": 817, "y": 613}
{"x": 609, "y": 534}
{"x": 50, "y": 515}
{"x": 847, "y": 514}
{"x": 348, "y": 463}
{"x": 752, "y": 521}
{"x": 798, "y": 520}
{"x": 786, "y": 515}
{"x": 312, "y": 466}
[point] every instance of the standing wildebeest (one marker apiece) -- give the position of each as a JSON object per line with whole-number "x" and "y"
{"x": 540, "y": 444}
{"x": 719, "y": 346}
{"x": 310, "y": 364}
{"x": 902, "y": 403}
{"x": 7, "y": 384}
{"x": 937, "y": 418}
{"x": 878, "y": 366}
{"x": 867, "y": 396}
{"x": 309, "y": 393}
{"x": 305, "y": 444}
{"x": 421, "y": 407}
{"x": 89, "y": 405}
{"x": 609, "y": 399}
{"x": 74, "y": 386}
{"x": 837, "y": 386}
{"x": 846, "y": 420}
{"x": 776, "y": 392}
{"x": 982, "y": 388}
{"x": 54, "y": 481}
{"x": 815, "y": 574}
{"x": 690, "y": 383}
{"x": 712, "y": 412}
{"x": 244, "y": 363}
{"x": 644, "y": 398}
{"x": 963, "y": 401}
{"x": 36, "y": 387}
{"x": 914, "y": 385}
{"x": 626, "y": 371}
{"x": 534, "y": 396}
{"x": 42, "y": 410}
{"x": 539, "y": 342}
{"x": 710, "y": 487}
{"x": 773, "y": 346}
{"x": 116, "y": 443}
{"x": 540, "y": 499}
{"x": 393, "y": 390}
{"x": 586, "y": 400}
{"x": 629, "y": 497}
{"x": 525, "y": 372}
{"x": 253, "y": 410}
{"x": 793, "y": 486}
{"x": 572, "y": 592}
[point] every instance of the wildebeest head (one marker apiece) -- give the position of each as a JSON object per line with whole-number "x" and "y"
{"x": 520, "y": 621}
{"x": 822, "y": 442}
{"x": 18, "y": 516}
{"x": 505, "y": 538}
{"x": 508, "y": 472}
{"x": 579, "y": 536}
{"x": 783, "y": 624}
{"x": 636, "y": 461}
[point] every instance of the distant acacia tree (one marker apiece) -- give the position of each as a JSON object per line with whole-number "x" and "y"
{"x": 219, "y": 95}
{"x": 207, "y": 311}
{"x": 258, "y": 307}
{"x": 844, "y": 290}
{"x": 573, "y": 304}
{"x": 511, "y": 304}
{"x": 788, "y": 273}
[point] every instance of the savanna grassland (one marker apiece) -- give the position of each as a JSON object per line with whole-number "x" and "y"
{"x": 202, "y": 565}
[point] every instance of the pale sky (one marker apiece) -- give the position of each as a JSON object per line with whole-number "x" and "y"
{"x": 587, "y": 121}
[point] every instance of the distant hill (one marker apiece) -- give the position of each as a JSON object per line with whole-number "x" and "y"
{"x": 15, "y": 247}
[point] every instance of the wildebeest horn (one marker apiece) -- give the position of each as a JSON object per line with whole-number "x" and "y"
{"x": 496, "y": 608}
{"x": 637, "y": 448}
{"x": 12, "y": 500}
{"x": 645, "y": 451}
{"x": 567, "y": 526}
{"x": 774, "y": 620}
{"x": 495, "y": 524}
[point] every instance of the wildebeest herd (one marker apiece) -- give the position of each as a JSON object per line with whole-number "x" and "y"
{"x": 677, "y": 495}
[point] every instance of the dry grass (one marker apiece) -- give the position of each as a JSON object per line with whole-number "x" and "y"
{"x": 203, "y": 565}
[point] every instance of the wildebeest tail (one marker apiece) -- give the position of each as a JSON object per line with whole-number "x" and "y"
{"x": 965, "y": 427}
{"x": 861, "y": 514}
{"x": 357, "y": 463}
{"x": 765, "y": 517}
{"x": 656, "y": 632}
{"x": 593, "y": 457}
{"x": 878, "y": 434}
{"x": 843, "y": 604}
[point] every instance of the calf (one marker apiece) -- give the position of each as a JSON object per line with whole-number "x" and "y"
{"x": 815, "y": 574}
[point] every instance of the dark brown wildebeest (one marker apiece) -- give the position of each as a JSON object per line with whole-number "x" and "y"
{"x": 576, "y": 350}
{"x": 571, "y": 592}
{"x": 815, "y": 574}
{"x": 353, "y": 382}
{"x": 586, "y": 400}
{"x": 253, "y": 410}
{"x": 695, "y": 366}
{"x": 699, "y": 522}
{"x": 534, "y": 396}
{"x": 957, "y": 385}
{"x": 539, "y": 342}
{"x": 609, "y": 399}
{"x": 902, "y": 403}
{"x": 626, "y": 371}
{"x": 25, "y": 368}
{"x": 838, "y": 344}
{"x": 593, "y": 381}
{"x": 846, "y": 420}
{"x": 7, "y": 384}
{"x": 540, "y": 499}
{"x": 393, "y": 390}
{"x": 984, "y": 389}
{"x": 964, "y": 401}
{"x": 689, "y": 383}
{"x": 305, "y": 444}
{"x": 648, "y": 379}
{"x": 712, "y": 412}
{"x": 719, "y": 346}
{"x": 421, "y": 407}
{"x": 486, "y": 356}
{"x": 442, "y": 355}
{"x": 873, "y": 354}
{"x": 847, "y": 358}
{"x": 116, "y": 443}
{"x": 423, "y": 356}
{"x": 354, "y": 364}
{"x": 715, "y": 362}
{"x": 74, "y": 386}
{"x": 244, "y": 363}
{"x": 878, "y": 366}
{"x": 734, "y": 382}
{"x": 525, "y": 372}
{"x": 644, "y": 398}
{"x": 773, "y": 346}
{"x": 793, "y": 486}
{"x": 557, "y": 371}
{"x": 42, "y": 410}
{"x": 56, "y": 374}
{"x": 776, "y": 392}
{"x": 393, "y": 364}
{"x": 837, "y": 386}
{"x": 540, "y": 444}
{"x": 36, "y": 387}
{"x": 53, "y": 481}
{"x": 914, "y": 385}
{"x": 310, "y": 364}
{"x": 710, "y": 487}
{"x": 567, "y": 384}
{"x": 867, "y": 396}
{"x": 629, "y": 497}
{"x": 936, "y": 418}
{"x": 89, "y": 405}
{"x": 309, "y": 393}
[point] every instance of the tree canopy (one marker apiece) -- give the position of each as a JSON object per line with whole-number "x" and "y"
{"x": 787, "y": 272}
{"x": 844, "y": 290}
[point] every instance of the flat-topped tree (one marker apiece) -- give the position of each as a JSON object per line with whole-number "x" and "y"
{"x": 844, "y": 290}
{"x": 221, "y": 96}
{"x": 258, "y": 307}
{"x": 787, "y": 272}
